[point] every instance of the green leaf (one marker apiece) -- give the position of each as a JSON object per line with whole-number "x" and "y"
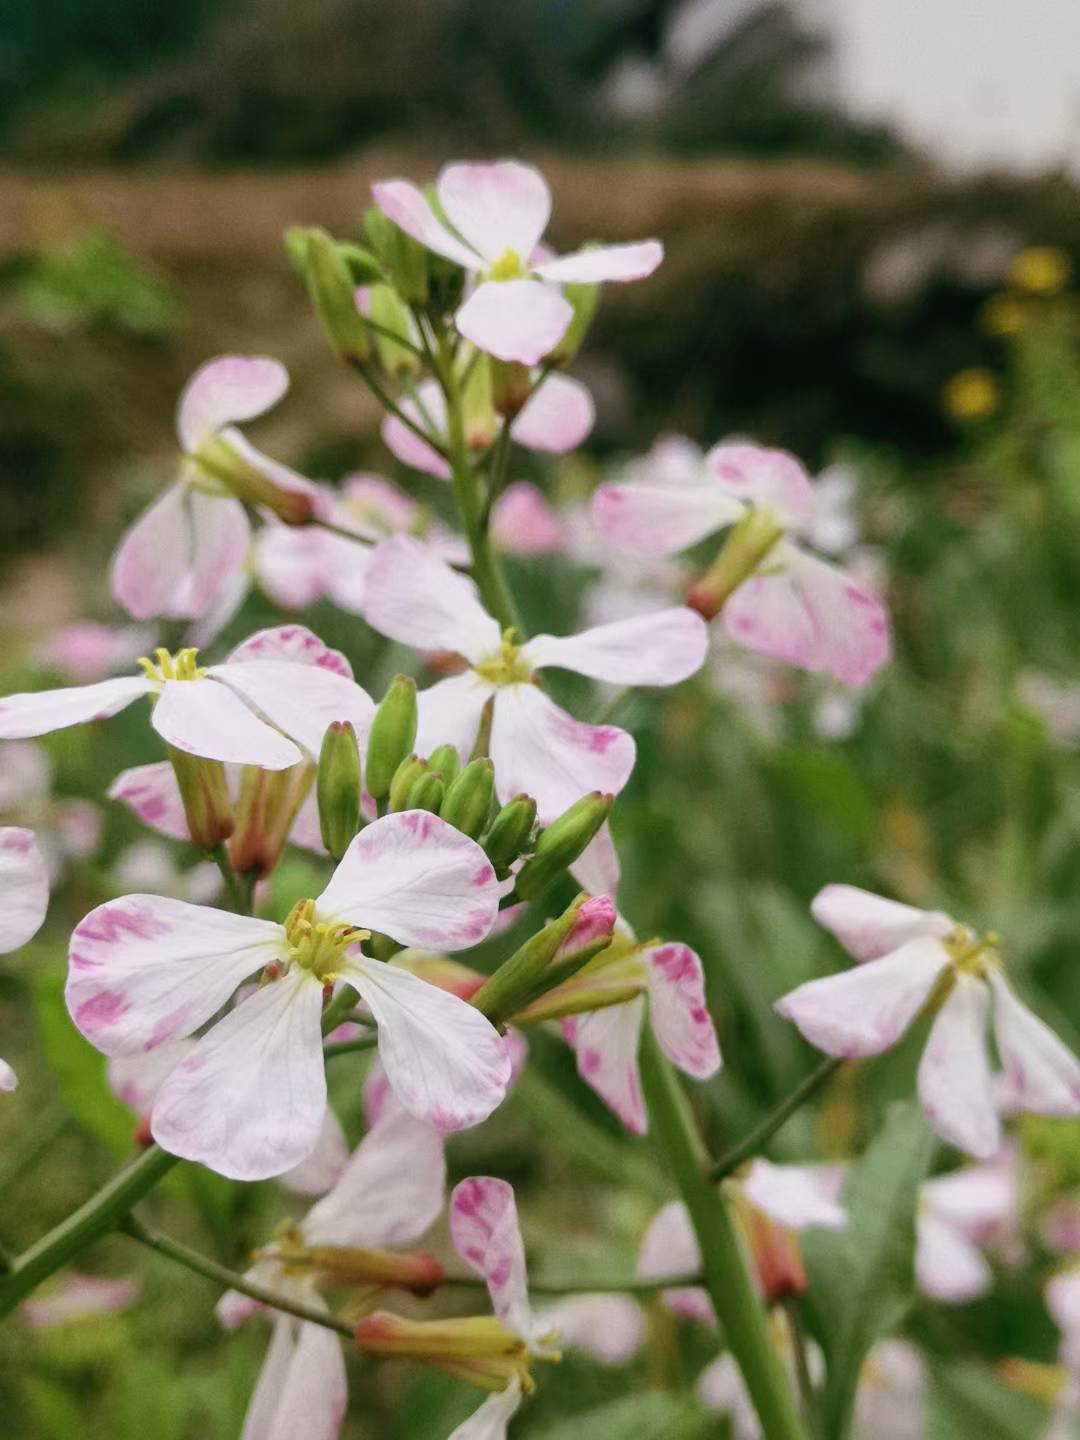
{"x": 969, "y": 1399}
{"x": 862, "y": 1279}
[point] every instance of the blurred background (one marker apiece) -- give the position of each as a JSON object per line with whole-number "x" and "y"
{"x": 871, "y": 220}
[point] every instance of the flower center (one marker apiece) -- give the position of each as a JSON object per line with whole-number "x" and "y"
{"x": 505, "y": 667}
{"x": 164, "y": 666}
{"x": 318, "y": 945}
{"x": 509, "y": 266}
{"x": 971, "y": 954}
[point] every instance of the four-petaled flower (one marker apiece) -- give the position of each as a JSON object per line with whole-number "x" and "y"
{"x": 495, "y": 215}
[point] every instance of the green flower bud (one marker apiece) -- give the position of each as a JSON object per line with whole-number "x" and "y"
{"x": 362, "y": 265}
{"x": 393, "y": 734}
{"x": 205, "y": 797}
{"x": 333, "y": 293}
{"x": 337, "y": 787}
{"x": 477, "y": 405}
{"x": 404, "y": 259}
{"x": 584, "y": 299}
{"x": 387, "y": 311}
{"x": 468, "y": 798}
{"x": 405, "y": 777}
{"x": 218, "y": 458}
{"x": 511, "y": 386}
{"x": 509, "y": 833}
{"x": 444, "y": 761}
{"x": 427, "y": 793}
{"x": 561, "y": 843}
{"x": 747, "y": 545}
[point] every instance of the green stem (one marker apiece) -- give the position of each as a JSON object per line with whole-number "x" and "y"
{"x": 231, "y": 1279}
{"x": 237, "y": 899}
{"x": 727, "y": 1277}
{"x": 799, "y": 1346}
{"x": 98, "y": 1217}
{"x": 350, "y": 1047}
{"x": 768, "y": 1127}
{"x": 500, "y": 468}
{"x": 338, "y": 1010}
{"x": 391, "y": 406}
{"x": 611, "y": 708}
{"x": 602, "y": 1285}
{"x": 32, "y": 1142}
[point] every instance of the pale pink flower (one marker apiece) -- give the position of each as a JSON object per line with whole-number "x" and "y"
{"x": 890, "y": 1400}
{"x": 24, "y": 895}
{"x": 795, "y": 607}
{"x": 87, "y": 651}
{"x": 194, "y": 538}
{"x": 610, "y": 1329}
{"x": 959, "y": 1214}
{"x": 148, "y": 865}
{"x": 73, "y": 1297}
{"x": 721, "y": 1387}
{"x": 249, "y": 1100}
{"x": 496, "y": 215}
{"x": 910, "y": 956}
{"x": 524, "y": 523}
{"x": 537, "y": 748}
{"x": 555, "y": 419}
{"x": 670, "y": 1247}
{"x": 249, "y": 710}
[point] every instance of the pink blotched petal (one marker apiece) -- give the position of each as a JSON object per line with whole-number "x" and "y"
{"x": 152, "y": 558}
{"x": 203, "y": 717}
{"x": 1043, "y": 1073}
{"x": 810, "y": 614}
{"x": 417, "y": 879}
{"x": 300, "y": 700}
{"x": 416, "y": 599}
{"x": 24, "y": 887}
{"x": 670, "y": 1247}
{"x": 249, "y": 1100}
{"x": 491, "y": 1420}
{"x": 151, "y": 793}
{"x": 866, "y": 1010}
{"x": 661, "y": 519}
{"x": 515, "y": 320}
{"x": 604, "y": 262}
{"x": 225, "y": 391}
{"x": 954, "y": 1074}
{"x": 557, "y": 416}
{"x": 294, "y": 643}
{"x": 136, "y": 1079}
{"x": 540, "y": 750}
{"x": 401, "y": 202}
{"x": 39, "y": 712}
{"x": 762, "y": 478}
{"x": 606, "y": 1046}
{"x": 948, "y": 1266}
{"x": 798, "y": 1196}
{"x": 389, "y": 1192}
{"x": 657, "y": 649}
{"x": 680, "y": 1020}
{"x": 486, "y": 1234}
{"x": 497, "y": 206}
{"x": 445, "y": 1062}
{"x": 323, "y": 1168}
{"x": 597, "y": 868}
{"x": 523, "y": 523}
{"x": 449, "y": 713}
{"x": 869, "y": 926}
{"x": 145, "y": 970}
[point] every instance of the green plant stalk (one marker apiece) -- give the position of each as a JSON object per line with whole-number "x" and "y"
{"x": 99, "y": 1216}
{"x": 752, "y": 1143}
{"x": 237, "y": 898}
{"x": 727, "y": 1277}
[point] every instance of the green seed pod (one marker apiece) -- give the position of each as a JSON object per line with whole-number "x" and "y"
{"x": 444, "y": 761}
{"x": 393, "y": 734}
{"x": 205, "y": 797}
{"x": 333, "y": 293}
{"x": 509, "y": 833}
{"x": 427, "y": 793}
{"x": 469, "y": 796}
{"x": 405, "y": 777}
{"x": 562, "y": 842}
{"x": 337, "y": 787}
{"x": 387, "y": 311}
{"x": 405, "y": 259}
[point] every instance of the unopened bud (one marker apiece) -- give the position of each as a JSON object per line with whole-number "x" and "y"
{"x": 747, "y": 545}
{"x": 405, "y": 777}
{"x": 474, "y": 1348}
{"x": 478, "y": 409}
{"x": 511, "y": 386}
{"x": 333, "y": 293}
{"x": 392, "y": 735}
{"x": 204, "y": 794}
{"x": 427, "y": 793}
{"x": 468, "y": 798}
{"x": 404, "y": 259}
{"x": 361, "y": 264}
{"x": 419, "y": 1272}
{"x": 547, "y": 958}
{"x": 337, "y": 787}
{"x": 266, "y": 807}
{"x": 774, "y": 1248}
{"x": 562, "y": 843}
{"x": 583, "y": 299}
{"x": 509, "y": 833}
{"x": 444, "y": 761}
{"x": 387, "y": 311}
{"x": 242, "y": 476}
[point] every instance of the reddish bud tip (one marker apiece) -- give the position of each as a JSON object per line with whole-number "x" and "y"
{"x": 701, "y": 598}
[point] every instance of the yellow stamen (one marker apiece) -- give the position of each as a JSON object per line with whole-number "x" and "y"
{"x": 509, "y": 266}
{"x": 165, "y": 666}
{"x": 318, "y": 945}
{"x": 506, "y": 667}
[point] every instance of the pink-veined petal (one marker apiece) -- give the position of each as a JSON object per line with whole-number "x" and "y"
{"x": 491, "y": 1420}
{"x": 144, "y": 969}
{"x": 39, "y": 712}
{"x": 417, "y": 879}
{"x": 220, "y": 537}
{"x": 557, "y": 416}
{"x": 604, "y": 262}
{"x": 677, "y": 1012}
{"x": 299, "y": 700}
{"x": 762, "y": 478}
{"x": 606, "y": 1046}
{"x": 24, "y": 887}
{"x": 866, "y": 1010}
{"x": 389, "y": 1192}
{"x": 661, "y": 519}
{"x": 798, "y": 1196}
{"x": 523, "y": 523}
{"x": 449, "y": 713}
{"x": 322, "y": 1169}
{"x": 610, "y": 1329}
{"x": 670, "y": 1247}
{"x": 497, "y": 206}
{"x": 230, "y": 389}
{"x": 1043, "y": 1072}
{"x": 515, "y": 320}
{"x": 486, "y": 1234}
{"x": 445, "y": 1062}
{"x": 948, "y": 1266}
{"x": 294, "y": 643}
{"x": 401, "y": 202}
{"x": 249, "y": 1100}
{"x": 151, "y": 793}
{"x": 869, "y": 926}
{"x": 416, "y": 599}
{"x": 540, "y": 750}
{"x": 151, "y": 561}
{"x": 203, "y": 717}
{"x": 955, "y": 1087}
{"x": 658, "y": 649}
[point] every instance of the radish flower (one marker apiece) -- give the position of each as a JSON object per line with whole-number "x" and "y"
{"x": 495, "y": 215}
{"x": 24, "y": 891}
{"x": 249, "y": 1100}
{"x": 914, "y": 960}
